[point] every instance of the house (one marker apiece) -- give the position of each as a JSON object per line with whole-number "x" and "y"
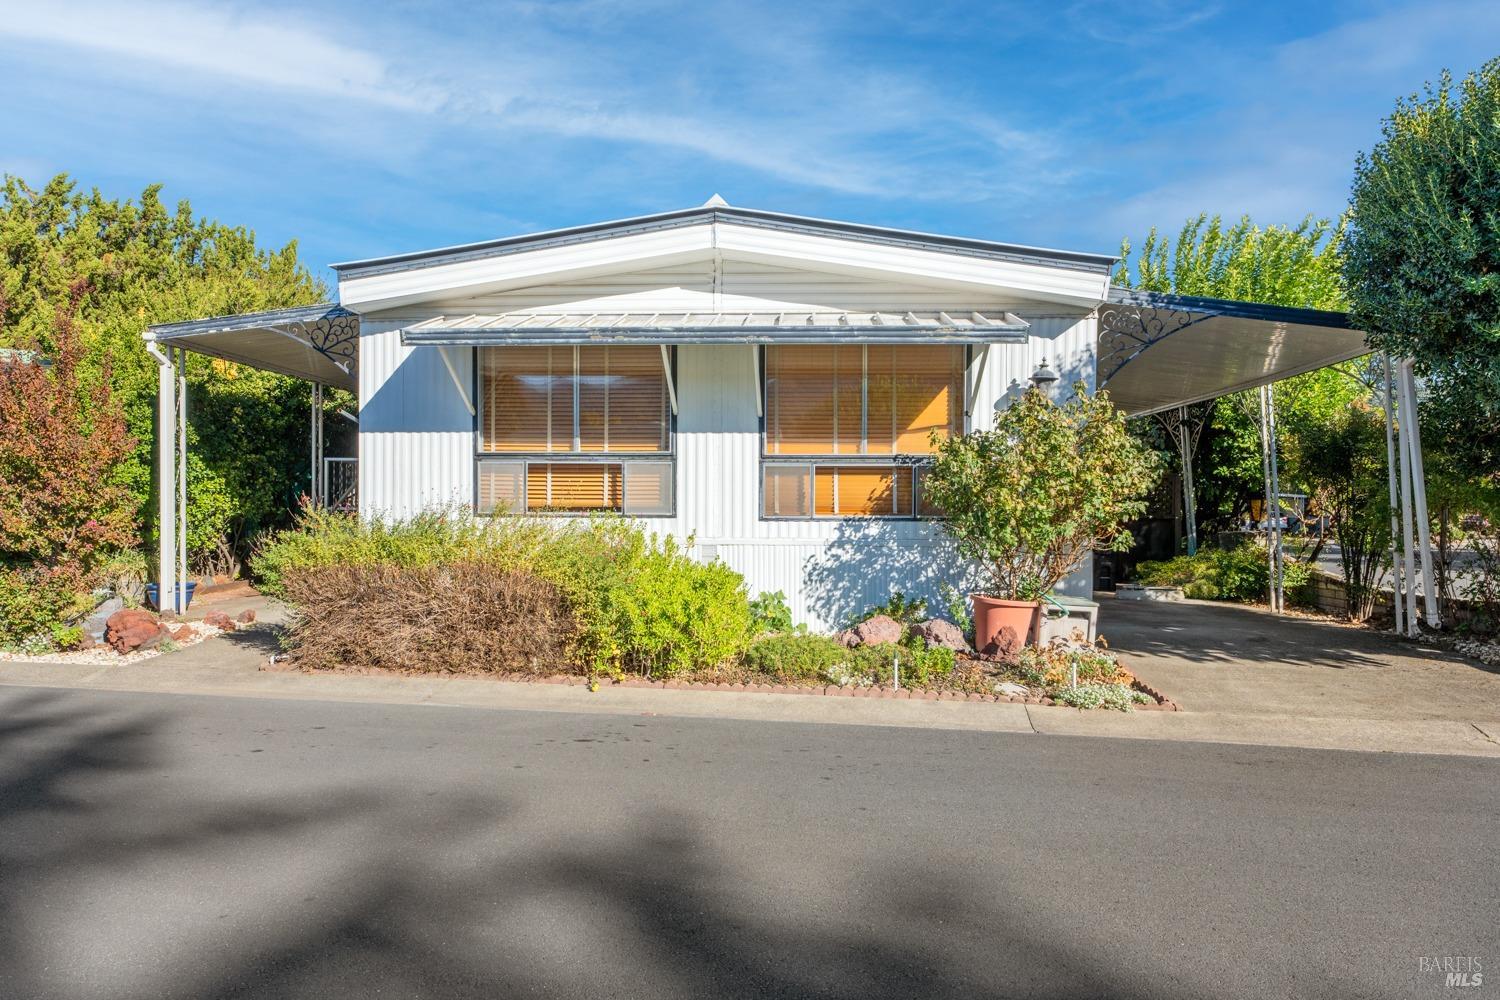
{"x": 761, "y": 385}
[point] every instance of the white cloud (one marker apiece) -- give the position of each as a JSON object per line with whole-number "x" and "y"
{"x": 795, "y": 111}
{"x": 283, "y": 52}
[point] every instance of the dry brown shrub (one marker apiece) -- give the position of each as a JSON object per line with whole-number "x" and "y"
{"x": 461, "y": 618}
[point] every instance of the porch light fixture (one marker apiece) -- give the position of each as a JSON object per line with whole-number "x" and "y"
{"x": 1043, "y": 376}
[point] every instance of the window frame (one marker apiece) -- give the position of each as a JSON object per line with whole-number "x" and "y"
{"x": 528, "y": 458}
{"x": 918, "y": 462}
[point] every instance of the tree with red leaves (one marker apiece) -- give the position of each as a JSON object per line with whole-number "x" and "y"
{"x": 62, "y": 444}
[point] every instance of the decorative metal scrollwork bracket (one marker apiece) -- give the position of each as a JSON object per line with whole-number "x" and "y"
{"x": 1125, "y": 331}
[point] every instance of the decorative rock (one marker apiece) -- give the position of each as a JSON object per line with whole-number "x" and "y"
{"x": 1011, "y": 688}
{"x": 219, "y": 620}
{"x": 98, "y": 620}
{"x": 245, "y": 617}
{"x": 938, "y": 632}
{"x": 877, "y": 630}
{"x": 846, "y": 638}
{"x": 130, "y": 629}
{"x": 1004, "y": 647}
{"x": 183, "y": 633}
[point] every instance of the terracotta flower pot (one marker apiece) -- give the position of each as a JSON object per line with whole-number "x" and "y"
{"x": 992, "y": 615}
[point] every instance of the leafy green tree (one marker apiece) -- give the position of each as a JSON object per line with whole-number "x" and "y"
{"x": 1342, "y": 458}
{"x": 1030, "y": 499}
{"x": 1423, "y": 258}
{"x": 142, "y": 262}
{"x": 1277, "y": 265}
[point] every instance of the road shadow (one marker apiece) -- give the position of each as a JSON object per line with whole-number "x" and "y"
{"x": 120, "y": 883}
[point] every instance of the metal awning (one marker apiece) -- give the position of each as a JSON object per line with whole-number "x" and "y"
{"x": 1160, "y": 351}
{"x": 317, "y": 343}
{"x": 541, "y": 328}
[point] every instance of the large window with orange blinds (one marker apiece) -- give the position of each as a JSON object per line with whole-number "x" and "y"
{"x": 574, "y": 430}
{"x": 847, "y": 426}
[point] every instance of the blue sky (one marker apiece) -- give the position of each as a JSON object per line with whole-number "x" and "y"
{"x": 362, "y": 129}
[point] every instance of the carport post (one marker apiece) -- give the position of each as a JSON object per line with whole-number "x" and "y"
{"x": 1397, "y": 610}
{"x": 1419, "y": 489}
{"x": 1184, "y": 446}
{"x": 1408, "y": 554}
{"x": 166, "y": 471}
{"x": 179, "y": 600}
{"x": 315, "y": 445}
{"x": 1273, "y": 499}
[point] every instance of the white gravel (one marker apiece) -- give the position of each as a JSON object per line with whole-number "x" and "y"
{"x": 104, "y": 656}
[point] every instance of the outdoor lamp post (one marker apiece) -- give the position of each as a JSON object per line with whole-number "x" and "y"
{"x": 1044, "y": 376}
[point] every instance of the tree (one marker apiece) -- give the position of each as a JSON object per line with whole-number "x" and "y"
{"x": 60, "y": 455}
{"x": 65, "y": 510}
{"x": 1030, "y": 499}
{"x": 143, "y": 263}
{"x": 1342, "y": 458}
{"x": 1299, "y": 266}
{"x": 1423, "y": 257}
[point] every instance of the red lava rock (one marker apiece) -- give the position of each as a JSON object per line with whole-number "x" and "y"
{"x": 938, "y": 632}
{"x": 183, "y": 633}
{"x": 219, "y": 620}
{"x": 877, "y": 630}
{"x": 133, "y": 628}
{"x": 245, "y": 617}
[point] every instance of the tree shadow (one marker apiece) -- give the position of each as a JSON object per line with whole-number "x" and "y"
{"x": 123, "y": 881}
{"x": 866, "y": 561}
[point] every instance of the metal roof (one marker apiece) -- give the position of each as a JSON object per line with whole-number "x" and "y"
{"x": 1094, "y": 262}
{"x": 1159, "y": 351}
{"x": 827, "y": 326}
{"x": 317, "y": 343}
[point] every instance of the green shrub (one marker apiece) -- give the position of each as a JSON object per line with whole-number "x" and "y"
{"x": 66, "y": 637}
{"x": 1201, "y": 590}
{"x": 1239, "y": 574}
{"x": 33, "y": 601}
{"x": 957, "y": 606}
{"x": 795, "y": 657}
{"x": 771, "y": 613}
{"x": 900, "y": 608}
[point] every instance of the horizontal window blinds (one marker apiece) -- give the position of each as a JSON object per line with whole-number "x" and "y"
{"x": 567, "y": 399}
{"x": 854, "y": 399}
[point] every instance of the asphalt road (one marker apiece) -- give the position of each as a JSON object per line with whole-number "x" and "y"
{"x": 182, "y": 846}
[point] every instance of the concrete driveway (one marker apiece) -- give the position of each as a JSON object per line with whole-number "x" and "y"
{"x": 1215, "y": 657}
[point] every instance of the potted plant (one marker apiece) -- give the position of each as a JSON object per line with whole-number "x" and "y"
{"x": 1029, "y": 500}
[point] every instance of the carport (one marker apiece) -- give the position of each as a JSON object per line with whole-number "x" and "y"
{"x": 1158, "y": 354}
{"x": 318, "y": 344}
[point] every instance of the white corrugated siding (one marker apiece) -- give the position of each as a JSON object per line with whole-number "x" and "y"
{"x": 416, "y": 438}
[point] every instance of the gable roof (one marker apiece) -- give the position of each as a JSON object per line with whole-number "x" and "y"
{"x": 711, "y": 214}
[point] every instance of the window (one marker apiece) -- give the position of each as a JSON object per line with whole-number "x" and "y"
{"x": 574, "y": 430}
{"x": 841, "y": 407}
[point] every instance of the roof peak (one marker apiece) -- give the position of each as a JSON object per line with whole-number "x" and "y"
{"x": 716, "y": 200}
